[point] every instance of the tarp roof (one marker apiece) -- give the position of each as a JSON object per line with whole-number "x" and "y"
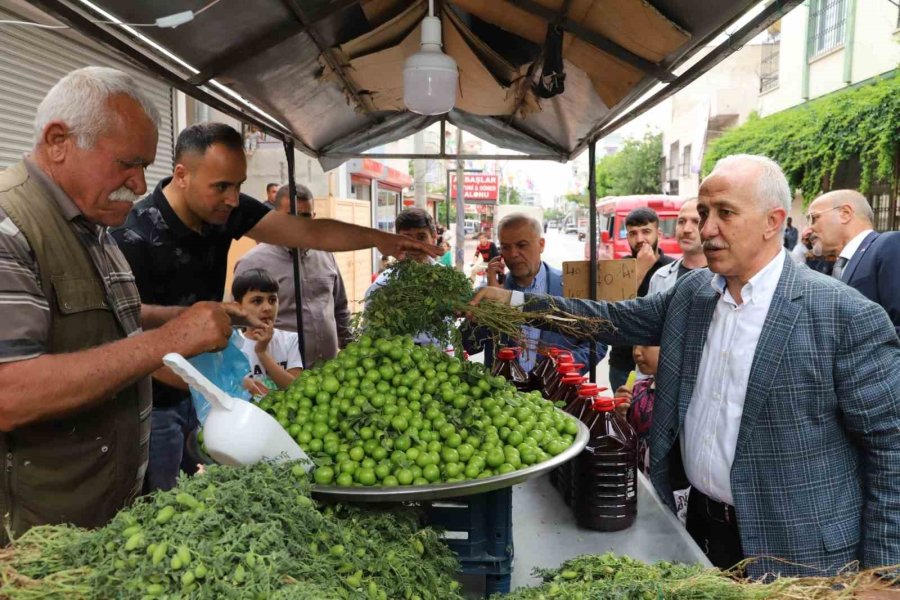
{"x": 329, "y": 73}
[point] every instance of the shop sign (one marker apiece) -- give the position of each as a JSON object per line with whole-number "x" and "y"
{"x": 477, "y": 188}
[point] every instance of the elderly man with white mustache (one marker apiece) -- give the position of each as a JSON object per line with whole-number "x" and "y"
{"x": 74, "y": 359}
{"x": 778, "y": 391}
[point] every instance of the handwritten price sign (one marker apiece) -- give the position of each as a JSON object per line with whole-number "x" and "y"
{"x": 616, "y": 279}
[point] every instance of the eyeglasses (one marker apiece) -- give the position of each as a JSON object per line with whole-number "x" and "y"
{"x": 811, "y": 218}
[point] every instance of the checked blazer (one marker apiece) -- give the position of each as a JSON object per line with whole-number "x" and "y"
{"x": 816, "y": 472}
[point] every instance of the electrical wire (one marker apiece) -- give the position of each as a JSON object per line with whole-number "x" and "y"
{"x": 206, "y": 7}
{"x": 30, "y": 24}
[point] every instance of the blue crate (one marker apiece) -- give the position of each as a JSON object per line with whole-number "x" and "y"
{"x": 479, "y": 530}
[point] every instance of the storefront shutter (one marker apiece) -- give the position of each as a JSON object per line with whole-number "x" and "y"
{"x": 33, "y": 59}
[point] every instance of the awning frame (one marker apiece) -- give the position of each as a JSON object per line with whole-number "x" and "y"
{"x": 194, "y": 84}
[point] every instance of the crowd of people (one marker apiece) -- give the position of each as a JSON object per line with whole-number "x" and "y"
{"x": 98, "y": 309}
{"x": 767, "y": 399}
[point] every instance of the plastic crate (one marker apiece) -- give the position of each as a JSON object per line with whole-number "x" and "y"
{"x": 478, "y": 529}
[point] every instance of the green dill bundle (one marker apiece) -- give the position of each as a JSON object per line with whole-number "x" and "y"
{"x": 613, "y": 577}
{"x": 425, "y": 299}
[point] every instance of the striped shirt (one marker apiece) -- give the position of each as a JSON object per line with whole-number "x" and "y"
{"x": 25, "y": 328}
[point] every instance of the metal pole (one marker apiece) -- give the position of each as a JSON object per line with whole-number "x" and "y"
{"x": 592, "y": 236}
{"x": 460, "y": 206}
{"x": 420, "y": 168}
{"x": 447, "y": 216}
{"x": 295, "y": 255}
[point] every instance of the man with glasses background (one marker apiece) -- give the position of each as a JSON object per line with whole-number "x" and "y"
{"x": 842, "y": 223}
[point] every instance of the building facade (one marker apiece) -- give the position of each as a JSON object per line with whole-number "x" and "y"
{"x": 33, "y": 59}
{"x": 823, "y": 47}
{"x": 722, "y": 98}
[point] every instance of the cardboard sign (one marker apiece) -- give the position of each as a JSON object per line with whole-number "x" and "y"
{"x": 616, "y": 279}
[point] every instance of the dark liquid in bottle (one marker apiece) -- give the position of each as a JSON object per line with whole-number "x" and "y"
{"x": 605, "y": 473}
{"x": 561, "y": 477}
{"x": 550, "y": 374}
{"x": 507, "y": 366}
{"x": 546, "y": 362}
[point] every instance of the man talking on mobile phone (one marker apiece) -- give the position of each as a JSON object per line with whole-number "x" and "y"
{"x": 521, "y": 245}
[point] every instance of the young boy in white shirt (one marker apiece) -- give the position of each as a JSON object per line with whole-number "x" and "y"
{"x": 274, "y": 354}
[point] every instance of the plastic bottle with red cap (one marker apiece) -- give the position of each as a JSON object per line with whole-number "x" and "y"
{"x": 561, "y": 358}
{"x": 604, "y": 475}
{"x": 567, "y": 390}
{"x": 586, "y": 395}
{"x": 546, "y": 362}
{"x": 507, "y": 365}
{"x": 562, "y": 370}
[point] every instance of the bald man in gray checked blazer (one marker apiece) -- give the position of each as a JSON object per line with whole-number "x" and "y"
{"x": 778, "y": 391}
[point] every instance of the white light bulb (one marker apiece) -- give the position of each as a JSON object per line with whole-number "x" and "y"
{"x": 430, "y": 77}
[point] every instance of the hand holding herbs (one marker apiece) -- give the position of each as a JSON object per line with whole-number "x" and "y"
{"x": 420, "y": 298}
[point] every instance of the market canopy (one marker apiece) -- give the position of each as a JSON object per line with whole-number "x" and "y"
{"x": 328, "y": 75}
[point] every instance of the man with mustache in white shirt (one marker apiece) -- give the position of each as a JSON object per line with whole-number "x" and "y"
{"x": 778, "y": 391}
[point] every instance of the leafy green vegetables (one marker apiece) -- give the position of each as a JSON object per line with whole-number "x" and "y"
{"x": 611, "y": 577}
{"x": 249, "y": 532}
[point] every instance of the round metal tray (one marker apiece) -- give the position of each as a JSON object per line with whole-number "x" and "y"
{"x": 437, "y": 491}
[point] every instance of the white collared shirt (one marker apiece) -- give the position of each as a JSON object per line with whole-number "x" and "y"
{"x": 713, "y": 418}
{"x": 854, "y": 244}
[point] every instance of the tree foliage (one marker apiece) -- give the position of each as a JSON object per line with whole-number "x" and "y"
{"x": 812, "y": 140}
{"x": 551, "y": 214}
{"x": 509, "y": 195}
{"x": 635, "y": 169}
{"x": 579, "y": 199}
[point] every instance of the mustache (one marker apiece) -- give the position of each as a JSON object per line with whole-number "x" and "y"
{"x": 714, "y": 245}
{"x": 123, "y": 194}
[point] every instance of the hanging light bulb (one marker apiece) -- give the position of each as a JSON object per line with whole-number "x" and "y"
{"x": 430, "y": 76}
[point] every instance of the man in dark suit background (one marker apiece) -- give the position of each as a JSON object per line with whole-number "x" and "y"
{"x": 869, "y": 261}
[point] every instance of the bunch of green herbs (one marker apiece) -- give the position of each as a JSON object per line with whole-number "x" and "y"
{"x": 425, "y": 299}
{"x": 613, "y": 577}
{"x": 249, "y": 532}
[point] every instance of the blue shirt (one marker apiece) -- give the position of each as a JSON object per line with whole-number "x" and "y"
{"x": 532, "y": 334}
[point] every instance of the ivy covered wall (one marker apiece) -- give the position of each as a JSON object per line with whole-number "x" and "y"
{"x": 810, "y": 141}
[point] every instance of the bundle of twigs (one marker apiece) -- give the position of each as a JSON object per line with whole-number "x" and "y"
{"x": 425, "y": 299}
{"x": 613, "y": 577}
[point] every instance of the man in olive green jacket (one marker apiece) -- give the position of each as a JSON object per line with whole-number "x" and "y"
{"x": 74, "y": 360}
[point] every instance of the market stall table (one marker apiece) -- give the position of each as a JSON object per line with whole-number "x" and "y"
{"x": 545, "y": 533}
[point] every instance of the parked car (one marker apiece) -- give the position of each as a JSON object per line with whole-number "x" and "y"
{"x": 571, "y": 226}
{"x": 611, "y": 214}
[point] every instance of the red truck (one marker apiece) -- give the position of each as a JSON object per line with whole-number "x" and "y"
{"x": 611, "y": 214}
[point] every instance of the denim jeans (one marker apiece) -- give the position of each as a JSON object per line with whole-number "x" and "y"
{"x": 171, "y": 429}
{"x": 617, "y": 378}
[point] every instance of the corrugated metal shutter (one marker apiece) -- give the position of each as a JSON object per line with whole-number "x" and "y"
{"x": 32, "y": 60}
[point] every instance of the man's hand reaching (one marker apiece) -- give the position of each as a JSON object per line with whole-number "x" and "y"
{"x": 400, "y": 246}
